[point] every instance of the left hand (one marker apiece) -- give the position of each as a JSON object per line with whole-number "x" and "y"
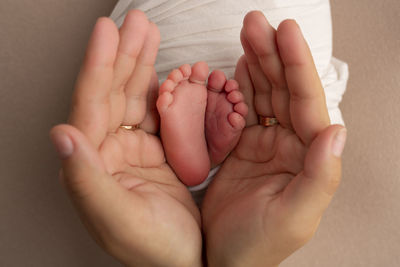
{"x": 126, "y": 195}
{"x": 268, "y": 198}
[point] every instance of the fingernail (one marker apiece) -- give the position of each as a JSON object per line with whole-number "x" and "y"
{"x": 63, "y": 144}
{"x": 339, "y": 142}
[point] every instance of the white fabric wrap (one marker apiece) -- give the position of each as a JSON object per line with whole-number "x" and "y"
{"x": 209, "y": 30}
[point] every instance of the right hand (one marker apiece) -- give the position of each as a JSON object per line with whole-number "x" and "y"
{"x": 270, "y": 194}
{"x": 126, "y": 195}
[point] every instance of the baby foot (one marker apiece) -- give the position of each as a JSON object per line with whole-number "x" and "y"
{"x": 225, "y": 116}
{"x": 182, "y": 104}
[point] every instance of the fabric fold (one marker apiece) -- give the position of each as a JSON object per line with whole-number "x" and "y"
{"x": 209, "y": 30}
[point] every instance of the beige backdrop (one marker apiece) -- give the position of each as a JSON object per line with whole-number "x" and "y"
{"x": 41, "y": 46}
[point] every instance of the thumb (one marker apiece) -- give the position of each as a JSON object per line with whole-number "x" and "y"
{"x": 309, "y": 193}
{"x": 92, "y": 191}
{"x": 96, "y": 196}
{"x": 82, "y": 167}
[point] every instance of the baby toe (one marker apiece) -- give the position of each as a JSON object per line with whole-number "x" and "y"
{"x": 235, "y": 97}
{"x": 186, "y": 71}
{"x": 176, "y": 76}
{"x": 199, "y": 73}
{"x": 231, "y": 86}
{"x": 242, "y": 109}
{"x": 237, "y": 121}
{"x": 216, "y": 81}
{"x": 163, "y": 102}
{"x": 167, "y": 86}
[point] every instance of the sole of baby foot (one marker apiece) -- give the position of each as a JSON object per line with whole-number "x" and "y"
{"x": 225, "y": 116}
{"x": 182, "y": 104}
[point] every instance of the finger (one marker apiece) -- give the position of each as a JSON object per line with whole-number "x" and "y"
{"x": 261, "y": 38}
{"x": 151, "y": 122}
{"x": 242, "y": 76}
{"x": 90, "y": 105}
{"x": 261, "y": 85}
{"x": 307, "y": 99}
{"x": 132, "y": 36}
{"x": 138, "y": 84}
{"x": 309, "y": 194}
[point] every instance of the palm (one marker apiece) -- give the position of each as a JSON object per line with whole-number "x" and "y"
{"x": 248, "y": 192}
{"x": 135, "y": 159}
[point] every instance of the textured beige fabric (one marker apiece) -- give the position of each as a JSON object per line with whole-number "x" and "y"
{"x": 41, "y": 46}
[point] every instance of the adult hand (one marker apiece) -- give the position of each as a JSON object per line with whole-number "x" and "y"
{"x": 126, "y": 195}
{"x": 268, "y": 198}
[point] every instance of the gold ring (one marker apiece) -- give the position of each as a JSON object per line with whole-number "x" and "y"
{"x": 267, "y": 121}
{"x": 130, "y": 127}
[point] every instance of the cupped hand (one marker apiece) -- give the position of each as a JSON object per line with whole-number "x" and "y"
{"x": 126, "y": 195}
{"x": 268, "y": 198}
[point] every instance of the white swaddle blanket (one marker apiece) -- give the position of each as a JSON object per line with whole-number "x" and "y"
{"x": 209, "y": 30}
